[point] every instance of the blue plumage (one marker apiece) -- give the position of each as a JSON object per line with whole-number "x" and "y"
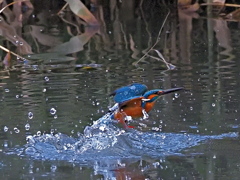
{"x": 127, "y": 92}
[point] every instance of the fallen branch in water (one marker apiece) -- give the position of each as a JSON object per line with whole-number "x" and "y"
{"x": 8, "y": 51}
{"x": 160, "y": 56}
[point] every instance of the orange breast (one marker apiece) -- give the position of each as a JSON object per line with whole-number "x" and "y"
{"x": 149, "y": 106}
{"x": 133, "y": 108}
{"x": 135, "y": 112}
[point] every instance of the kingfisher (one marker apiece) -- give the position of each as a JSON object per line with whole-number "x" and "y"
{"x": 135, "y": 101}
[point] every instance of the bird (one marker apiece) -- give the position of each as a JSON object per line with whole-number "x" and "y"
{"x": 135, "y": 101}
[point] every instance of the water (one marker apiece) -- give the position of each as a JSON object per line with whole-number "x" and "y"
{"x": 53, "y": 102}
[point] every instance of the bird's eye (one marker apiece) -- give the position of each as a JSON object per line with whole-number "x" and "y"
{"x": 159, "y": 92}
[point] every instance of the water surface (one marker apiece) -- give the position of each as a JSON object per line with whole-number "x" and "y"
{"x": 51, "y": 96}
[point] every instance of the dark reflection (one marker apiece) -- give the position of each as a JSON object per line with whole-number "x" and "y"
{"x": 69, "y": 69}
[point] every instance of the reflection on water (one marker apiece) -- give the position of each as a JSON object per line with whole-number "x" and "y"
{"x": 63, "y": 84}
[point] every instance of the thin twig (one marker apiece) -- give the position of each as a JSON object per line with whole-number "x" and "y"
{"x": 5, "y": 49}
{"x": 77, "y": 27}
{"x": 11, "y": 4}
{"x": 147, "y": 28}
{"x": 62, "y": 8}
{"x": 220, "y": 4}
{"x": 169, "y": 65}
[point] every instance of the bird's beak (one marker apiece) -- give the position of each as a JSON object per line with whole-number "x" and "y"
{"x": 167, "y": 91}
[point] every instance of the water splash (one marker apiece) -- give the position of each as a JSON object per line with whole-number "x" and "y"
{"x": 104, "y": 140}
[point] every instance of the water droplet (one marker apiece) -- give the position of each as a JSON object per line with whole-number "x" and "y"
{"x": 20, "y": 43}
{"x": 35, "y": 67}
{"x": 27, "y": 127}
{"x": 30, "y": 115}
{"x": 53, "y": 168}
{"x": 214, "y": 157}
{"x": 155, "y": 164}
{"x": 155, "y": 128}
{"x": 30, "y": 140}
{"x": 55, "y": 116}
{"x": 5, "y": 144}
{"x": 102, "y": 128}
{"x": 7, "y": 90}
{"x": 88, "y": 131}
{"x": 5, "y": 129}
{"x": 176, "y": 95}
{"x": 213, "y": 104}
{"x": 46, "y": 78}
{"x": 191, "y": 108}
{"x": 17, "y": 96}
{"x": 44, "y": 90}
{"x": 16, "y": 130}
{"x": 39, "y": 133}
{"x": 53, "y": 111}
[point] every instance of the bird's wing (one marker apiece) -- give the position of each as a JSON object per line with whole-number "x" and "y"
{"x": 127, "y": 92}
{"x": 135, "y": 101}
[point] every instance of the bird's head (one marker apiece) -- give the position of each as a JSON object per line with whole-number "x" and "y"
{"x": 153, "y": 95}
